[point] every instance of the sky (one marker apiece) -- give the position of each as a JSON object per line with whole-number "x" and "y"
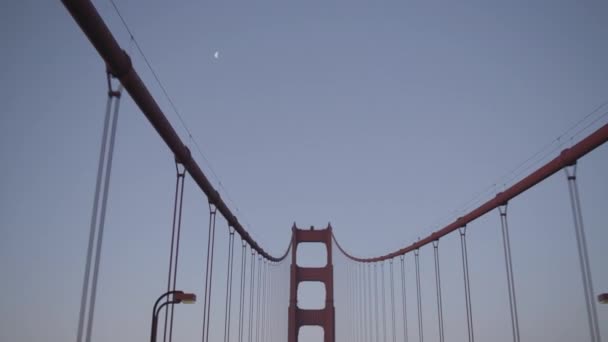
{"x": 387, "y": 119}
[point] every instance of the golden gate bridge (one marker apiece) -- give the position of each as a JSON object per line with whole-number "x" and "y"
{"x": 365, "y": 297}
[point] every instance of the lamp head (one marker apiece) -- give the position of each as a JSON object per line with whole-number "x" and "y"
{"x": 185, "y": 298}
{"x": 603, "y": 298}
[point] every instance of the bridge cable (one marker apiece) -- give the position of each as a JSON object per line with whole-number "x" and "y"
{"x": 467, "y": 285}
{"x": 102, "y": 185}
{"x": 257, "y": 306}
{"x": 509, "y": 266}
{"x": 404, "y": 298}
{"x": 361, "y": 302}
{"x": 393, "y": 301}
{"x": 133, "y": 40}
{"x": 353, "y": 300}
{"x": 383, "y": 302}
{"x": 261, "y": 289}
{"x": 268, "y": 301}
{"x": 228, "y": 305}
{"x": 438, "y": 287}
{"x": 264, "y": 291}
{"x": 242, "y": 288}
{"x": 367, "y": 308}
{"x": 251, "y": 291}
{"x": 583, "y": 255}
{"x": 364, "y": 311}
{"x": 359, "y": 296}
{"x": 264, "y": 330}
{"x": 270, "y": 308}
{"x": 369, "y": 298}
{"x": 209, "y": 272}
{"x": 174, "y": 250}
{"x": 271, "y": 297}
{"x": 349, "y": 301}
{"x": 377, "y": 317}
{"x": 419, "y": 295}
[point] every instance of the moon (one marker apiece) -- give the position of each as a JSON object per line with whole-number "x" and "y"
{"x": 216, "y": 55}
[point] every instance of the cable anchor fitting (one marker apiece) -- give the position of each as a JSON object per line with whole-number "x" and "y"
{"x": 111, "y": 91}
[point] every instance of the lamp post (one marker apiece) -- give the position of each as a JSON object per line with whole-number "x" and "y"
{"x": 178, "y": 297}
{"x": 603, "y": 298}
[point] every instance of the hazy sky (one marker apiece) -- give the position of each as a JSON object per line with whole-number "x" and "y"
{"x": 385, "y": 118}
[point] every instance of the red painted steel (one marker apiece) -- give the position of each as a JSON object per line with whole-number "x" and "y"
{"x": 119, "y": 63}
{"x": 299, "y": 317}
{"x": 567, "y": 157}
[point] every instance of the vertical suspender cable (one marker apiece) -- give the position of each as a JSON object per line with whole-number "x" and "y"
{"x": 102, "y": 215}
{"x": 404, "y": 298}
{"x": 419, "y": 294}
{"x": 383, "y": 302}
{"x": 583, "y": 255}
{"x": 369, "y": 297}
{"x": 93, "y": 227}
{"x": 269, "y": 308}
{"x": 267, "y": 318}
{"x": 509, "y": 266}
{"x": 175, "y": 238}
{"x": 98, "y": 216}
{"x": 365, "y": 310}
{"x": 257, "y": 306}
{"x": 251, "y": 291}
{"x": 228, "y": 305}
{"x": 467, "y": 286}
{"x": 263, "y": 314}
{"x": 393, "y": 302}
{"x": 358, "y": 308}
{"x": 353, "y": 301}
{"x": 262, "y": 302}
{"x": 438, "y": 286}
{"x": 349, "y": 302}
{"x": 359, "y": 302}
{"x": 242, "y": 289}
{"x": 270, "y": 301}
{"x": 376, "y": 317}
{"x": 209, "y": 273}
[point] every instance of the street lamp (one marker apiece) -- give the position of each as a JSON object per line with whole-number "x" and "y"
{"x": 603, "y": 298}
{"x": 178, "y": 297}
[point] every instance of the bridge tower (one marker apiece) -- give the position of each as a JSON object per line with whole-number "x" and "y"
{"x": 325, "y": 317}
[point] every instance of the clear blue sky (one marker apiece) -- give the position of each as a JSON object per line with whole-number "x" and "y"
{"x": 383, "y": 118}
